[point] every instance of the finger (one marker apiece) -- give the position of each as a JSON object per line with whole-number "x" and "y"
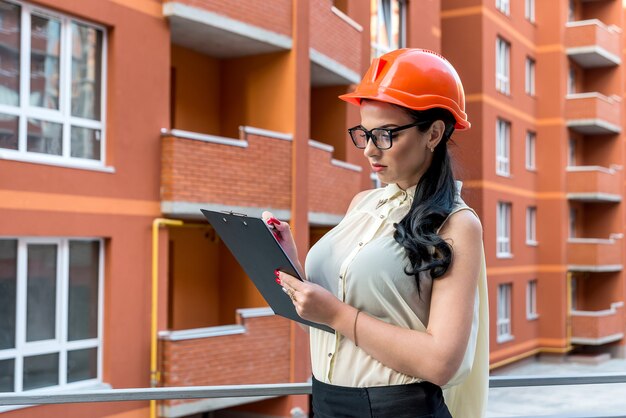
{"x": 290, "y": 281}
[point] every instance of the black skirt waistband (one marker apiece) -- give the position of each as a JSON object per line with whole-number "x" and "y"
{"x": 413, "y": 400}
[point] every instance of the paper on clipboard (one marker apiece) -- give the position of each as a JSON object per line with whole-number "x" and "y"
{"x": 259, "y": 254}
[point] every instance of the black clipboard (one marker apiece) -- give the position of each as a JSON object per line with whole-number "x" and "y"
{"x": 254, "y": 247}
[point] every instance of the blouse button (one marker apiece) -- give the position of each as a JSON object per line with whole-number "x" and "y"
{"x": 382, "y": 216}
{"x": 360, "y": 244}
{"x": 330, "y": 354}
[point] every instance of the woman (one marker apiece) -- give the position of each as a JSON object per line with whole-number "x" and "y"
{"x": 402, "y": 277}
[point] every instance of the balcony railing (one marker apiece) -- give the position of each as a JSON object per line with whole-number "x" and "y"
{"x": 598, "y": 327}
{"x": 335, "y": 45}
{"x": 264, "y": 390}
{"x": 593, "y": 113}
{"x": 594, "y": 255}
{"x": 593, "y": 183}
{"x": 591, "y": 43}
{"x": 220, "y": 29}
{"x": 191, "y": 180}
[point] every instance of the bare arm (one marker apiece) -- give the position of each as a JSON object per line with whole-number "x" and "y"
{"x": 434, "y": 355}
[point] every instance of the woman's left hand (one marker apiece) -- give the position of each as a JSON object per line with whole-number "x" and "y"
{"x": 312, "y": 301}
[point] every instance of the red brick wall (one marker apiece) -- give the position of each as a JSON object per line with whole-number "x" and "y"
{"x": 331, "y": 188}
{"x": 334, "y": 37}
{"x": 272, "y": 15}
{"x": 260, "y": 355}
{"x": 256, "y": 176}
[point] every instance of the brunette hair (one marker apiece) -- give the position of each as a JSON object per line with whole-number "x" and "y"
{"x": 433, "y": 201}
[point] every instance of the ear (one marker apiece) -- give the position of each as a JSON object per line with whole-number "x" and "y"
{"x": 435, "y": 133}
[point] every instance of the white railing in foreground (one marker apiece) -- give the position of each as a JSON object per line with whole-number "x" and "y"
{"x": 280, "y": 389}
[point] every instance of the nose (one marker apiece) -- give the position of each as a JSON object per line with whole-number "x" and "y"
{"x": 370, "y": 149}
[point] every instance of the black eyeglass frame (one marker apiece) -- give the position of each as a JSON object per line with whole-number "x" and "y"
{"x": 390, "y": 131}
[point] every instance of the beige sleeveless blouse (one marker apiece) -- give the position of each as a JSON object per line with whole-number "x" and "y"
{"x": 362, "y": 264}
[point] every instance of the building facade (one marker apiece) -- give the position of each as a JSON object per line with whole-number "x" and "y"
{"x": 122, "y": 119}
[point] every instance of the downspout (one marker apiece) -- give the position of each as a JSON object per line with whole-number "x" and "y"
{"x": 155, "y": 376}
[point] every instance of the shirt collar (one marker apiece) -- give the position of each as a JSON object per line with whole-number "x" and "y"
{"x": 394, "y": 192}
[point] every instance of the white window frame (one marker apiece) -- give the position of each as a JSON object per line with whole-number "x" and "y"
{"x": 529, "y": 84}
{"x": 62, "y": 115}
{"x": 531, "y": 151}
{"x": 503, "y": 66}
{"x": 59, "y": 344}
{"x": 503, "y": 323}
{"x": 503, "y": 147}
{"x": 504, "y": 6}
{"x": 378, "y": 48}
{"x": 531, "y": 300}
{"x": 503, "y": 230}
{"x": 531, "y": 225}
{"x": 529, "y": 10}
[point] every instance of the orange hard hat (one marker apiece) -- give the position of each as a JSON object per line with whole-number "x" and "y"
{"x": 417, "y": 79}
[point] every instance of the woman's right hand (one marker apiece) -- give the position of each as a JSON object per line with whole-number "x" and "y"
{"x": 282, "y": 232}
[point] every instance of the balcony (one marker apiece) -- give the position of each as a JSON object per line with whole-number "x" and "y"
{"x": 227, "y": 29}
{"x": 598, "y": 327}
{"x": 335, "y": 45}
{"x": 591, "y": 43}
{"x": 254, "y": 350}
{"x": 593, "y": 113}
{"x": 594, "y": 255}
{"x": 593, "y": 184}
{"x": 249, "y": 175}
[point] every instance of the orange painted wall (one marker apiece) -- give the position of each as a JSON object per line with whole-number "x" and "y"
{"x": 328, "y": 119}
{"x": 196, "y": 91}
{"x": 257, "y": 91}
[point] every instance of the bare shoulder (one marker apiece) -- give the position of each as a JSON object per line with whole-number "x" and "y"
{"x": 463, "y": 226}
{"x": 357, "y": 198}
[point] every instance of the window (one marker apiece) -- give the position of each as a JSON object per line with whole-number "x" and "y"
{"x": 531, "y": 300}
{"x": 571, "y": 81}
{"x": 573, "y": 293}
{"x": 572, "y": 223}
{"x": 531, "y": 225}
{"x": 571, "y": 11}
{"x": 503, "y": 141}
{"x": 503, "y": 230}
{"x": 531, "y": 138}
{"x": 503, "y": 66}
{"x": 529, "y": 10}
{"x": 503, "y": 6}
{"x": 530, "y": 76}
{"x": 571, "y": 155}
{"x": 388, "y": 26}
{"x": 55, "y": 112}
{"x": 50, "y": 321}
{"x": 504, "y": 313}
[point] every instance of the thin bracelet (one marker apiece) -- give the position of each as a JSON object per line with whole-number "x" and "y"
{"x": 356, "y": 343}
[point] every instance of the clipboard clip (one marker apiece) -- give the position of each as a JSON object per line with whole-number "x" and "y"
{"x": 230, "y": 212}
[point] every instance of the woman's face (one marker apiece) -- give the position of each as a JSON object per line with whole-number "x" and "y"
{"x": 409, "y": 156}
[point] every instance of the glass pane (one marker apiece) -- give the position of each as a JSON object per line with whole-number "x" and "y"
{"x": 82, "y": 365}
{"x": 9, "y": 53}
{"x": 86, "y": 71}
{"x": 44, "y": 137}
{"x": 41, "y": 288}
{"x": 8, "y": 129}
{"x": 45, "y": 48}
{"x": 83, "y": 292}
{"x": 7, "y": 375}
{"x": 85, "y": 143}
{"x": 41, "y": 371}
{"x": 8, "y": 281}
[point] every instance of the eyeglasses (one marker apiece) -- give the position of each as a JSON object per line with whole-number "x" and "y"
{"x": 381, "y": 137}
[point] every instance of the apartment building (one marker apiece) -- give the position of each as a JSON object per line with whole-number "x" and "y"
{"x": 544, "y": 86}
{"x": 121, "y": 119}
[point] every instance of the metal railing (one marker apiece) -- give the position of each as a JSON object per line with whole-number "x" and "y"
{"x": 281, "y": 389}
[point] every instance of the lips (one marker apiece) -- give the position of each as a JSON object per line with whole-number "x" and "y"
{"x": 378, "y": 167}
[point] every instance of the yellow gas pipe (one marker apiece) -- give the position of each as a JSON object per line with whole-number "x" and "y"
{"x": 154, "y": 374}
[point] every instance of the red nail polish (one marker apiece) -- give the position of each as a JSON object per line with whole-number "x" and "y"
{"x": 273, "y": 221}
{"x": 276, "y": 272}
{"x": 277, "y": 280}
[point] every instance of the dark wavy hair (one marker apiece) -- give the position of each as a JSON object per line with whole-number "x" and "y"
{"x": 432, "y": 203}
